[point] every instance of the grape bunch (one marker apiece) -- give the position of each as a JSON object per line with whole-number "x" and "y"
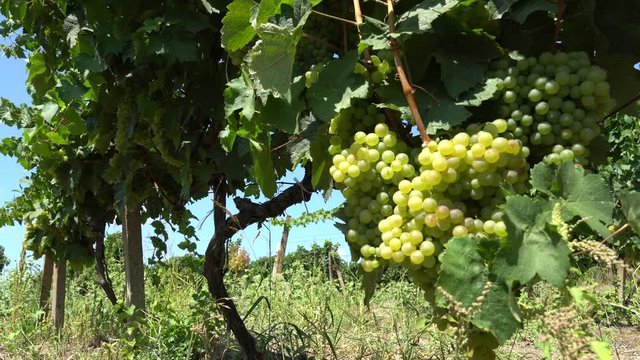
{"x": 553, "y": 103}
{"x": 403, "y": 204}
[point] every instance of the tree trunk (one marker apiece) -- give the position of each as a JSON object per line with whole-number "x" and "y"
{"x": 59, "y": 293}
{"x": 45, "y": 284}
{"x": 101, "y": 268}
{"x": 97, "y": 224}
{"x": 282, "y": 248}
{"x": 215, "y": 256}
{"x": 133, "y": 261}
{"x": 215, "y": 259}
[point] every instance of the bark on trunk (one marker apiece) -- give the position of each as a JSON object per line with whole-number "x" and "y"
{"x": 133, "y": 262}
{"x": 59, "y": 293}
{"x": 226, "y": 227}
{"x": 215, "y": 259}
{"x": 282, "y": 248}
{"x": 45, "y": 284}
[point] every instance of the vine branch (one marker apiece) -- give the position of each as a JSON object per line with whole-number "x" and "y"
{"x": 406, "y": 87}
{"x": 357, "y": 11}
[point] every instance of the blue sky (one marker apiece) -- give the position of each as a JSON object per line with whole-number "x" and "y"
{"x": 258, "y": 242}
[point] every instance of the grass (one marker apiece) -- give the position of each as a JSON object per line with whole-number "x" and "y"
{"x": 298, "y": 316}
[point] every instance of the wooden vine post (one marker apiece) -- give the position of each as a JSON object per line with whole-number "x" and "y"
{"x": 336, "y": 266}
{"x": 282, "y": 248}
{"x": 59, "y": 293}
{"x": 133, "y": 259}
{"x": 45, "y": 284}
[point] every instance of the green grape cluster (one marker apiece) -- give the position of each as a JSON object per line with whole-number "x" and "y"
{"x": 359, "y": 117}
{"x": 403, "y": 204}
{"x": 380, "y": 71}
{"x": 312, "y": 75}
{"x": 553, "y": 103}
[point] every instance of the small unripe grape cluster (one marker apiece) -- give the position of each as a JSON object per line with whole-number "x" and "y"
{"x": 380, "y": 73}
{"x": 312, "y": 75}
{"x": 553, "y": 103}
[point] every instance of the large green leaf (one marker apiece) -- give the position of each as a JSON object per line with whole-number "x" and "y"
{"x": 522, "y": 9}
{"x": 586, "y": 196}
{"x": 337, "y": 85}
{"x": 496, "y": 314}
{"x": 459, "y": 73}
{"x": 369, "y": 282}
{"x": 263, "y": 170}
{"x": 239, "y": 95}
{"x": 419, "y": 19}
{"x": 282, "y": 115}
{"x": 237, "y": 30}
{"x": 631, "y": 208}
{"x": 464, "y": 275}
{"x": 320, "y": 178}
{"x": 542, "y": 179}
{"x": 533, "y": 248}
{"x": 271, "y": 60}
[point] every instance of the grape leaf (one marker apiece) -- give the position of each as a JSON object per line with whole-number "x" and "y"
{"x": 418, "y": 20}
{"x": 542, "y": 178}
{"x": 496, "y": 314}
{"x": 444, "y": 114}
{"x": 631, "y": 208}
{"x": 462, "y": 272}
{"x": 522, "y": 9}
{"x": 601, "y": 349}
{"x": 282, "y": 115}
{"x": 497, "y": 8}
{"x": 263, "y": 170}
{"x": 587, "y": 196}
{"x": 533, "y": 248}
{"x": 321, "y": 162}
{"x": 336, "y": 86}
{"x": 238, "y": 95}
{"x": 237, "y": 30}
{"x": 369, "y": 282}
{"x": 458, "y": 72}
{"x": 480, "y": 93}
{"x": 374, "y": 33}
{"x": 464, "y": 275}
{"x": 271, "y": 59}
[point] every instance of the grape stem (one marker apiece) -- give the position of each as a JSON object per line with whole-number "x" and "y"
{"x": 357, "y": 11}
{"x": 559, "y": 18}
{"x": 406, "y": 87}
